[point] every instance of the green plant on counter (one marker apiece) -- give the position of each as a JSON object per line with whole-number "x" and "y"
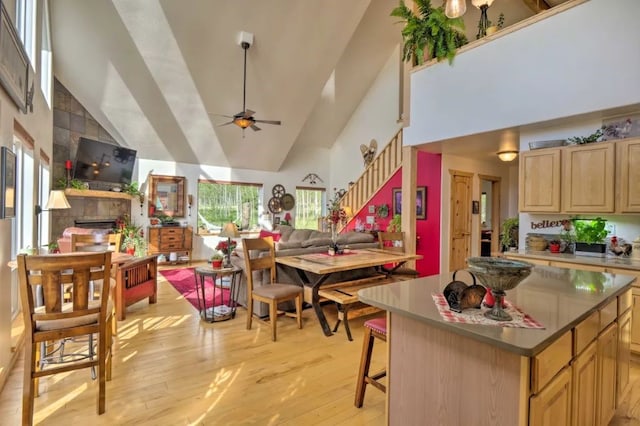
{"x": 61, "y": 183}
{"x": 395, "y": 224}
{"x": 590, "y": 231}
{"x": 509, "y": 232}
{"x": 131, "y": 188}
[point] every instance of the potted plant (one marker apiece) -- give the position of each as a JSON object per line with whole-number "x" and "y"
{"x": 590, "y": 235}
{"x": 554, "y": 246}
{"x": 509, "y": 233}
{"x": 216, "y": 260}
{"x": 493, "y": 28}
{"x": 430, "y": 33}
{"x": 395, "y": 224}
{"x": 53, "y": 247}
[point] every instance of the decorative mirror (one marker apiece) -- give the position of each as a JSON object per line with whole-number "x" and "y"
{"x": 166, "y": 195}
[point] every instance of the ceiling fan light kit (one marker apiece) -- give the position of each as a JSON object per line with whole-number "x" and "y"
{"x": 245, "y": 118}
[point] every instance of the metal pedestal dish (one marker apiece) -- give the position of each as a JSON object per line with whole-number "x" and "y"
{"x": 499, "y": 275}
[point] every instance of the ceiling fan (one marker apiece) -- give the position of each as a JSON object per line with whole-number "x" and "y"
{"x": 245, "y": 118}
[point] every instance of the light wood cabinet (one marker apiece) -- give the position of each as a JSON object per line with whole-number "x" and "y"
{"x": 635, "y": 322}
{"x": 624, "y": 356}
{"x": 606, "y": 379}
{"x": 172, "y": 239}
{"x": 588, "y": 178}
{"x": 539, "y": 181}
{"x": 628, "y": 161}
{"x": 552, "y": 406}
{"x": 584, "y": 369}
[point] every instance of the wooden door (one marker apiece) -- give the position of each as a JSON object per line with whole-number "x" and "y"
{"x": 539, "y": 181}
{"x": 606, "y": 382}
{"x": 624, "y": 355}
{"x": 628, "y": 159}
{"x": 588, "y": 176}
{"x": 552, "y": 406}
{"x": 460, "y": 241}
{"x": 584, "y": 372}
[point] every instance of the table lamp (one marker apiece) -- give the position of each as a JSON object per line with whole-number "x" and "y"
{"x": 229, "y": 231}
{"x": 56, "y": 201}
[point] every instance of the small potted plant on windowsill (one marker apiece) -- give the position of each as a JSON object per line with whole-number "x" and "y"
{"x": 216, "y": 260}
{"x": 554, "y": 246}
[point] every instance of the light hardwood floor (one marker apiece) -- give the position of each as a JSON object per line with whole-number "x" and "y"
{"x": 170, "y": 369}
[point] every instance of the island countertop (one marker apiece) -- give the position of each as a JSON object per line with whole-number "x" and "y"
{"x": 558, "y": 298}
{"x": 605, "y": 262}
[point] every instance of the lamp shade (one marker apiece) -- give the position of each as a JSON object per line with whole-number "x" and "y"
{"x": 348, "y": 211}
{"x": 57, "y": 200}
{"x": 455, "y": 8}
{"x": 480, "y": 3}
{"x": 230, "y": 230}
{"x": 507, "y": 155}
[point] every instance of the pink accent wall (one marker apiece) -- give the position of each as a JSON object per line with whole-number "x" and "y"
{"x": 428, "y": 230}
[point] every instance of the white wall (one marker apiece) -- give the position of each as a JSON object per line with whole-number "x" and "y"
{"x": 375, "y": 118}
{"x": 451, "y": 162}
{"x": 298, "y": 164}
{"x": 582, "y": 60}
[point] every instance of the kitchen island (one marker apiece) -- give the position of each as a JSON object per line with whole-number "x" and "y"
{"x": 576, "y": 369}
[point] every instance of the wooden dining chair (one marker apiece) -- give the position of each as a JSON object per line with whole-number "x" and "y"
{"x": 394, "y": 241}
{"x": 259, "y": 255}
{"x": 96, "y": 242}
{"x": 57, "y": 321}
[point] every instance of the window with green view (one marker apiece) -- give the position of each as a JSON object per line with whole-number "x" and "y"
{"x": 308, "y": 207}
{"x": 220, "y": 203}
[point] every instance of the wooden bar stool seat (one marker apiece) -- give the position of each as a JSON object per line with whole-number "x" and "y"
{"x": 373, "y": 328}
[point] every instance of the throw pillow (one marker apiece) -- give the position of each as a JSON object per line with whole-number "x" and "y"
{"x": 275, "y": 235}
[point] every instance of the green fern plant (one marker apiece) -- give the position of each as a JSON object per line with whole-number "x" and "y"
{"x": 430, "y": 32}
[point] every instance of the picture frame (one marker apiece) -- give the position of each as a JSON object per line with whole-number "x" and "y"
{"x": 421, "y": 202}
{"x": 14, "y": 63}
{"x": 276, "y": 220}
{"x": 167, "y": 195}
{"x": 7, "y": 183}
{"x": 475, "y": 207}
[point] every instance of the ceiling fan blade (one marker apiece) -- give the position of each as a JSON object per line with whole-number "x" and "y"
{"x": 276, "y": 122}
{"x": 224, "y": 124}
{"x": 255, "y": 128}
{"x": 219, "y": 115}
{"x": 248, "y": 113}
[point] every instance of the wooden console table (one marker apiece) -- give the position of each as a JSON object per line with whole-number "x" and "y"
{"x": 170, "y": 239}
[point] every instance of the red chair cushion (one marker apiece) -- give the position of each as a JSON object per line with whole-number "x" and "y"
{"x": 377, "y": 324}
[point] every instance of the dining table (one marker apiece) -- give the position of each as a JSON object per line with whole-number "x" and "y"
{"x": 323, "y": 265}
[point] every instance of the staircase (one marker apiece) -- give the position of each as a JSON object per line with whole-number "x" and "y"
{"x": 375, "y": 175}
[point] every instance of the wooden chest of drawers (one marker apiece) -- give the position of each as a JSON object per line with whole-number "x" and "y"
{"x": 171, "y": 239}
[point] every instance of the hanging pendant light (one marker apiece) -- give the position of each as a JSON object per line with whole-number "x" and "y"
{"x": 455, "y": 8}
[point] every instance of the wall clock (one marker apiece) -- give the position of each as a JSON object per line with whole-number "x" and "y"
{"x": 288, "y": 202}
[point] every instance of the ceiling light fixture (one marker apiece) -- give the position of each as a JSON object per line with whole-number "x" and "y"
{"x": 483, "y": 5}
{"x": 507, "y": 155}
{"x": 455, "y": 8}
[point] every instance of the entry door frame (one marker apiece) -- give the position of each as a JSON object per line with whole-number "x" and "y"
{"x": 496, "y": 219}
{"x": 467, "y": 202}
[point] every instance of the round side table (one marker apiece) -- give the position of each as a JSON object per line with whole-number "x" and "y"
{"x": 209, "y": 311}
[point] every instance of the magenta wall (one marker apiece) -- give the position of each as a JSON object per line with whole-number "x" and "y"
{"x": 428, "y": 230}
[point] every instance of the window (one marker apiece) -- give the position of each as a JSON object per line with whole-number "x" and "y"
{"x": 45, "y": 55}
{"x": 223, "y": 202}
{"x": 43, "y": 197}
{"x": 25, "y": 24}
{"x": 483, "y": 207}
{"x": 308, "y": 207}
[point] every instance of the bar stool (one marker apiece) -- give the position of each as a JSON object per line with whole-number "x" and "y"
{"x": 373, "y": 328}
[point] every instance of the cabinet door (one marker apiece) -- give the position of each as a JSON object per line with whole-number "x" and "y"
{"x": 628, "y": 157}
{"x": 552, "y": 406}
{"x": 584, "y": 369}
{"x": 588, "y": 176}
{"x": 539, "y": 181}
{"x": 635, "y": 322}
{"x": 607, "y": 360}
{"x": 154, "y": 239}
{"x": 624, "y": 356}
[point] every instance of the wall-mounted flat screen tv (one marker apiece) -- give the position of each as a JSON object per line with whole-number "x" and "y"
{"x": 103, "y": 162}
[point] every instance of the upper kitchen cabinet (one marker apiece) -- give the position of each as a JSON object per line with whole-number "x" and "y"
{"x": 539, "y": 186}
{"x": 628, "y": 164}
{"x": 588, "y": 178}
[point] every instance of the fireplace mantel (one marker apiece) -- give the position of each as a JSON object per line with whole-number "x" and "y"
{"x": 70, "y": 192}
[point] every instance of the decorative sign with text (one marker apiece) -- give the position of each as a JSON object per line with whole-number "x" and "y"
{"x": 565, "y": 223}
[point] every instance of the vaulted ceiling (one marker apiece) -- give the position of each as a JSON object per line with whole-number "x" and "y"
{"x": 159, "y": 74}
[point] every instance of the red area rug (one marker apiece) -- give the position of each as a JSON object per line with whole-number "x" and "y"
{"x": 184, "y": 280}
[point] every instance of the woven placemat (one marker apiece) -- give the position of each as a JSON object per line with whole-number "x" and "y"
{"x": 476, "y": 316}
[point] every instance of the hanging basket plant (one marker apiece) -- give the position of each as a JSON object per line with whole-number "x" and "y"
{"x": 429, "y": 33}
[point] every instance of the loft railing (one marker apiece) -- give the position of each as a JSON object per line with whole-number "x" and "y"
{"x": 375, "y": 175}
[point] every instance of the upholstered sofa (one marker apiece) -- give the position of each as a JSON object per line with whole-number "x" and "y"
{"x": 292, "y": 242}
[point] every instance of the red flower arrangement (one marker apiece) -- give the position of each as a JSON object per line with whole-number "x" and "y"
{"x": 335, "y": 213}
{"x": 225, "y": 247}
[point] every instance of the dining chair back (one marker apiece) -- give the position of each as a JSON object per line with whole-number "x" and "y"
{"x": 394, "y": 241}
{"x": 55, "y": 320}
{"x": 96, "y": 242}
{"x": 259, "y": 255}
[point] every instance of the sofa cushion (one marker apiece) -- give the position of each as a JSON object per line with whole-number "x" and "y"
{"x": 285, "y": 232}
{"x": 83, "y": 231}
{"x": 300, "y": 235}
{"x": 355, "y": 237}
{"x": 316, "y": 242}
{"x": 275, "y": 235}
{"x": 283, "y": 245}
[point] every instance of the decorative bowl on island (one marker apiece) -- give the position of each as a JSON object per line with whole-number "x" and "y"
{"x": 499, "y": 275}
